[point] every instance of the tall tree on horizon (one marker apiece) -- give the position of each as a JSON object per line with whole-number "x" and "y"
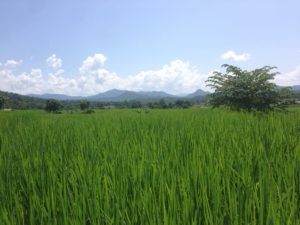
{"x": 246, "y": 90}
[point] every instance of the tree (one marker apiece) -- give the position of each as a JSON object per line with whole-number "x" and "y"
{"x": 162, "y": 104}
{"x": 134, "y": 104}
{"x": 183, "y": 104}
{"x": 84, "y": 104}
{"x": 247, "y": 90}
{"x": 53, "y": 105}
{"x": 1, "y": 102}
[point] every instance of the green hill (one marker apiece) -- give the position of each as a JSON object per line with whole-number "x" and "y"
{"x": 17, "y": 101}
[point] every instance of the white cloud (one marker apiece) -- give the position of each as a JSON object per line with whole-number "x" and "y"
{"x": 231, "y": 55}
{"x": 290, "y": 78}
{"x": 177, "y": 77}
{"x": 13, "y": 63}
{"x": 93, "y": 63}
{"x": 31, "y": 82}
{"x": 54, "y": 62}
{"x": 36, "y": 82}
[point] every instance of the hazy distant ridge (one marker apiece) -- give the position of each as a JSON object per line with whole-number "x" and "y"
{"x": 116, "y": 95}
{"x": 121, "y": 95}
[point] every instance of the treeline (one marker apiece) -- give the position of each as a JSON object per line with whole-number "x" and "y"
{"x": 87, "y": 107}
{"x": 160, "y": 104}
{"x": 133, "y": 104}
{"x": 16, "y": 101}
{"x": 295, "y": 97}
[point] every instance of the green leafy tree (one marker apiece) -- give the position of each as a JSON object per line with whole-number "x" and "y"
{"x": 84, "y": 104}
{"x": 162, "y": 104}
{"x": 1, "y": 102}
{"x": 135, "y": 104}
{"x": 247, "y": 90}
{"x": 53, "y": 105}
{"x": 183, "y": 104}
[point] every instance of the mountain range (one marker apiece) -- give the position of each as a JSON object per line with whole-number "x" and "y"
{"x": 17, "y": 101}
{"x": 116, "y": 95}
{"x": 296, "y": 88}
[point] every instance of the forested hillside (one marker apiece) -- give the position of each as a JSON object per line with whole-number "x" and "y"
{"x": 17, "y": 101}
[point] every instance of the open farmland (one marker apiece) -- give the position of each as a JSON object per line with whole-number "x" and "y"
{"x": 195, "y": 166}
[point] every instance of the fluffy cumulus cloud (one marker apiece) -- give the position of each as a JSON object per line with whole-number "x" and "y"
{"x": 176, "y": 77}
{"x": 23, "y": 82}
{"x": 54, "y": 62}
{"x": 231, "y": 55}
{"x": 93, "y": 63}
{"x": 35, "y": 81}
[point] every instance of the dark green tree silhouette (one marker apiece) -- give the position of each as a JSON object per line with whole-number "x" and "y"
{"x": 53, "y": 105}
{"x": 2, "y": 101}
{"x": 84, "y": 104}
{"x": 247, "y": 90}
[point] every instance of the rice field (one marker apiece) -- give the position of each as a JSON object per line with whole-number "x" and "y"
{"x": 195, "y": 166}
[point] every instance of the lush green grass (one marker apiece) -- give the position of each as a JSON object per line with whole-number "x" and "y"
{"x": 197, "y": 166}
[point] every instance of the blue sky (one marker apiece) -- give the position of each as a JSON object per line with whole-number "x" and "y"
{"x": 93, "y": 46}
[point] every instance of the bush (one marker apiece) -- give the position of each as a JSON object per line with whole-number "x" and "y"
{"x": 89, "y": 111}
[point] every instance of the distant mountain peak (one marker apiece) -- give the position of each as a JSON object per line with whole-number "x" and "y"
{"x": 121, "y": 95}
{"x": 198, "y": 92}
{"x": 56, "y": 96}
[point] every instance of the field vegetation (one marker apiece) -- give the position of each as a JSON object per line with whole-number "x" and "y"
{"x": 192, "y": 166}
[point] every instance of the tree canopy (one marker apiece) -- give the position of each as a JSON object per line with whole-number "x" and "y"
{"x": 84, "y": 104}
{"x": 1, "y": 102}
{"x": 53, "y": 105}
{"x": 248, "y": 90}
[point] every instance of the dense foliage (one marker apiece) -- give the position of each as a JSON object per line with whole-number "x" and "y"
{"x": 1, "y": 102}
{"x": 16, "y": 101}
{"x": 53, "y": 105}
{"x": 248, "y": 90}
{"x": 194, "y": 166}
{"x": 84, "y": 104}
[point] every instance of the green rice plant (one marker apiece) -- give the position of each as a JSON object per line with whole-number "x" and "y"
{"x": 195, "y": 166}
